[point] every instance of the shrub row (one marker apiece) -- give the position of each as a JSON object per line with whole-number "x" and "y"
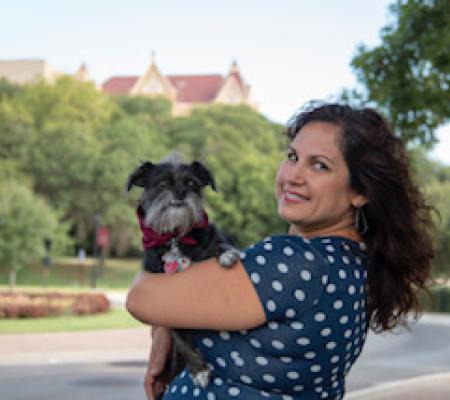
{"x": 14, "y": 304}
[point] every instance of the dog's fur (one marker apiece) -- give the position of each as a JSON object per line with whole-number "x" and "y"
{"x": 172, "y": 203}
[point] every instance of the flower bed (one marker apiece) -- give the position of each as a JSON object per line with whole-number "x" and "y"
{"x": 15, "y": 304}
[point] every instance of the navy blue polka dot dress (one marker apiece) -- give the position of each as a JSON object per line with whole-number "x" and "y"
{"x": 314, "y": 297}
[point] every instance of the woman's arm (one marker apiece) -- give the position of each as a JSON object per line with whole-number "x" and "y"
{"x": 205, "y": 296}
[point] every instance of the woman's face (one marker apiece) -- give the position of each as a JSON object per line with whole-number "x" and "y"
{"x": 312, "y": 184}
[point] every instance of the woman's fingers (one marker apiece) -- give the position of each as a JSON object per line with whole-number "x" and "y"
{"x": 161, "y": 344}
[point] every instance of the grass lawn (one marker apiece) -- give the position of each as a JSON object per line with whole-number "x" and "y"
{"x": 69, "y": 273}
{"x": 114, "y": 319}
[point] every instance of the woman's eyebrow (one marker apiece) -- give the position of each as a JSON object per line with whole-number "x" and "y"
{"x": 312, "y": 156}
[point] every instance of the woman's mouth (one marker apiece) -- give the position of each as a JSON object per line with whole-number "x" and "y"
{"x": 290, "y": 197}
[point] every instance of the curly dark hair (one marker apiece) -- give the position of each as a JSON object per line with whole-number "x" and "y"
{"x": 399, "y": 238}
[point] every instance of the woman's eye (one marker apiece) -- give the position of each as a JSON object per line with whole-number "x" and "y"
{"x": 292, "y": 156}
{"x": 319, "y": 165}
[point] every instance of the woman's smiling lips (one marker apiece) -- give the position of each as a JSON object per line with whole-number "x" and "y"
{"x": 292, "y": 197}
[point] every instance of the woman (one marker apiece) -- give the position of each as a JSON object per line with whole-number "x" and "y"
{"x": 289, "y": 320}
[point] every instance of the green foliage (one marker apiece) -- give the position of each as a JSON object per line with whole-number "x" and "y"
{"x": 408, "y": 75}
{"x": 25, "y": 221}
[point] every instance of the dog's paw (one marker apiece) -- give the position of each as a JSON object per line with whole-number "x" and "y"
{"x": 201, "y": 378}
{"x": 229, "y": 257}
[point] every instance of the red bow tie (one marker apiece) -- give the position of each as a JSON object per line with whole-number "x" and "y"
{"x": 151, "y": 238}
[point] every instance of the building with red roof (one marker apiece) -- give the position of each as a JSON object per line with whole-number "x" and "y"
{"x": 184, "y": 91}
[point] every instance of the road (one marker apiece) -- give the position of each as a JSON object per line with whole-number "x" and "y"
{"x": 64, "y": 366}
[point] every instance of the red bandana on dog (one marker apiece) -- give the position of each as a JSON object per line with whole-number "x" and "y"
{"x": 150, "y": 238}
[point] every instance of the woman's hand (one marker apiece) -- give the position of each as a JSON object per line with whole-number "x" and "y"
{"x": 160, "y": 348}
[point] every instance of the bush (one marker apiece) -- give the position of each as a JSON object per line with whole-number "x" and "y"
{"x": 440, "y": 300}
{"x": 15, "y": 304}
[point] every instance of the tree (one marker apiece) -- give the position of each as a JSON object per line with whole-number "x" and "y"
{"x": 25, "y": 222}
{"x": 408, "y": 75}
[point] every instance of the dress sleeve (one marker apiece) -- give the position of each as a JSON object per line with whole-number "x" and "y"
{"x": 288, "y": 274}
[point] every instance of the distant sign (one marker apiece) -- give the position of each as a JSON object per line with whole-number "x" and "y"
{"x": 102, "y": 237}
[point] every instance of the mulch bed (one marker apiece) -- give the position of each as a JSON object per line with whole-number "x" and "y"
{"x": 17, "y": 304}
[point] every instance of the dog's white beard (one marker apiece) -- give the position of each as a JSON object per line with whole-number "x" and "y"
{"x": 163, "y": 218}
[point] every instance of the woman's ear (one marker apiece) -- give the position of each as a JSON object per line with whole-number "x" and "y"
{"x": 358, "y": 200}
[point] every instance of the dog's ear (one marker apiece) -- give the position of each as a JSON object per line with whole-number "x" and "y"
{"x": 137, "y": 177}
{"x": 203, "y": 174}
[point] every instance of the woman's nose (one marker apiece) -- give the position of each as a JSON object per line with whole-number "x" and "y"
{"x": 295, "y": 174}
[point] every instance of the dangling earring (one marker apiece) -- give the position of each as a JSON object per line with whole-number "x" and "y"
{"x": 361, "y": 224}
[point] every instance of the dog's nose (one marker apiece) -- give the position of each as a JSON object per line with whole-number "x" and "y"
{"x": 180, "y": 193}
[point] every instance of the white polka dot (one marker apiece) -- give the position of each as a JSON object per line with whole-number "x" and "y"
{"x": 334, "y": 359}
{"x": 351, "y": 289}
{"x": 344, "y": 319}
{"x": 268, "y": 378}
{"x": 338, "y": 304}
{"x": 325, "y": 332}
{"x": 283, "y": 268}
{"x": 305, "y": 275}
{"x": 286, "y": 397}
{"x": 208, "y": 342}
{"x": 356, "y": 274}
{"x": 271, "y": 306}
{"x": 342, "y": 274}
{"x": 255, "y": 343}
{"x": 254, "y": 276}
{"x": 268, "y": 246}
{"x": 299, "y": 295}
{"x": 220, "y": 361}
{"x": 290, "y": 313}
{"x": 261, "y": 260}
{"x": 320, "y": 317}
{"x": 348, "y": 333}
{"x": 184, "y": 389}
{"x": 318, "y": 380}
{"x": 358, "y": 260}
{"x": 293, "y": 375}
{"x": 234, "y": 354}
{"x": 183, "y": 374}
{"x": 173, "y": 389}
{"x": 303, "y": 341}
{"x": 196, "y": 392}
{"x": 234, "y": 391}
{"x": 261, "y": 360}
{"x": 331, "y": 345}
{"x": 288, "y": 251}
{"x": 330, "y": 259}
{"x": 277, "y": 344}
{"x": 296, "y": 325}
{"x": 316, "y": 368}
{"x": 246, "y": 379}
{"x": 298, "y": 388}
{"x": 318, "y": 389}
{"x": 239, "y": 362}
{"x": 324, "y": 279}
{"x": 243, "y": 331}
{"x": 330, "y": 248}
{"x": 309, "y": 255}
{"x": 211, "y": 396}
{"x": 277, "y": 286}
{"x": 218, "y": 381}
{"x": 362, "y": 246}
{"x": 264, "y": 393}
{"x": 345, "y": 260}
{"x": 225, "y": 335}
{"x": 273, "y": 325}
{"x": 331, "y": 288}
{"x": 286, "y": 360}
{"x": 310, "y": 355}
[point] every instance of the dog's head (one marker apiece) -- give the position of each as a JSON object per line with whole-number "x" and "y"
{"x": 172, "y": 197}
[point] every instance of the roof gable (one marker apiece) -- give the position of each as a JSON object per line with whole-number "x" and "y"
{"x": 196, "y": 88}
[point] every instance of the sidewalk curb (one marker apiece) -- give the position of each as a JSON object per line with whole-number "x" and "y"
{"x": 365, "y": 394}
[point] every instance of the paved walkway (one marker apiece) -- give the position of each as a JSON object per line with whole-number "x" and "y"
{"x": 133, "y": 344}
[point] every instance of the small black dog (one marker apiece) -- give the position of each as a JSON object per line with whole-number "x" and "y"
{"x": 177, "y": 232}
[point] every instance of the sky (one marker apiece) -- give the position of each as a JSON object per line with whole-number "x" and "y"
{"x": 289, "y": 51}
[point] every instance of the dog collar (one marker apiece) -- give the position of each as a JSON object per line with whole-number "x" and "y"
{"x": 151, "y": 238}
